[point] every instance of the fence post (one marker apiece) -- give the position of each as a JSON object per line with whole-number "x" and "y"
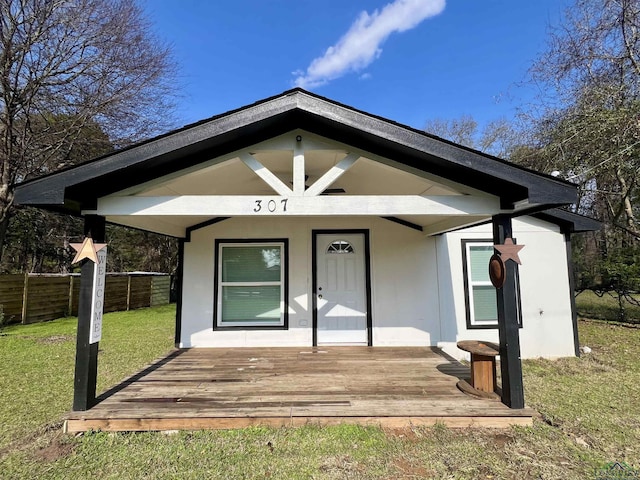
{"x": 70, "y": 303}
{"x": 128, "y": 292}
{"x": 25, "y": 296}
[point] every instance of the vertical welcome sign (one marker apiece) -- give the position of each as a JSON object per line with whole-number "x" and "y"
{"x": 90, "y": 307}
{"x": 97, "y": 297}
{"x": 97, "y": 253}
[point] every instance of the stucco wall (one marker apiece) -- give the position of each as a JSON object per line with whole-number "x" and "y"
{"x": 417, "y": 285}
{"x": 547, "y": 329}
{"x": 403, "y": 282}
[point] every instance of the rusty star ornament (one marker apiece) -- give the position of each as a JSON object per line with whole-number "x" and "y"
{"x": 87, "y": 249}
{"x": 509, "y": 251}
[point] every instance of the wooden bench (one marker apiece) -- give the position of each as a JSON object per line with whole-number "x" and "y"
{"x": 483, "y": 368}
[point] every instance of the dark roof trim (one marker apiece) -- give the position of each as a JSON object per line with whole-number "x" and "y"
{"x": 464, "y": 157}
{"x": 49, "y": 189}
{"x": 406, "y": 223}
{"x": 204, "y": 224}
{"x": 72, "y": 188}
{"x": 569, "y": 222}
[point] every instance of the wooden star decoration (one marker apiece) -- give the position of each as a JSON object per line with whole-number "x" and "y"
{"x": 509, "y": 251}
{"x": 87, "y": 249}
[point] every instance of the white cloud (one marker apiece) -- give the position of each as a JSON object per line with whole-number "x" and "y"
{"x": 361, "y": 44}
{"x": 365, "y": 76}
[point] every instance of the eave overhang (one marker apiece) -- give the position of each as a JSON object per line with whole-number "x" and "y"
{"x": 78, "y": 188}
{"x": 569, "y": 222}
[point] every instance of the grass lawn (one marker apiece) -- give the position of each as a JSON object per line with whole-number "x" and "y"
{"x": 589, "y": 415}
{"x": 590, "y": 305}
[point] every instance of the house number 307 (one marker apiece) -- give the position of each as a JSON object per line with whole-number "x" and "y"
{"x": 272, "y": 206}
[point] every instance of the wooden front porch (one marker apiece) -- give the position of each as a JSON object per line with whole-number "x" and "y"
{"x": 233, "y": 388}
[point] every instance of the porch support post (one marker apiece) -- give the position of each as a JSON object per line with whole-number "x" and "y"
{"x": 179, "y": 284}
{"x": 84, "y": 387}
{"x": 572, "y": 293}
{"x": 508, "y": 329}
{"x": 299, "y": 175}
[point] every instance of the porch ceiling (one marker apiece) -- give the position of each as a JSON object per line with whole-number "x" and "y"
{"x": 366, "y": 177}
{"x": 228, "y": 175}
{"x": 333, "y": 179}
{"x": 181, "y": 226}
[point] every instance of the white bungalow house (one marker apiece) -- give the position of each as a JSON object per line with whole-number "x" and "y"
{"x": 306, "y": 222}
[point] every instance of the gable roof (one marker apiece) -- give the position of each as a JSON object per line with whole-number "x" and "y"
{"x": 77, "y": 188}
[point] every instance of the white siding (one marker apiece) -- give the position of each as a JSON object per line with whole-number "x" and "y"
{"x": 417, "y": 285}
{"x": 547, "y": 329}
{"x": 403, "y": 288}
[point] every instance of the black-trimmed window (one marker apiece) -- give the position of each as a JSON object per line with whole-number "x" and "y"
{"x": 480, "y": 295}
{"x": 251, "y": 284}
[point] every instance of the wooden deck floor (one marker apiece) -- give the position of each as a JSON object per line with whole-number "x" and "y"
{"x": 233, "y": 388}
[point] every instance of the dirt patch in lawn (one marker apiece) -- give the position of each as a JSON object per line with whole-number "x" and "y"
{"x": 57, "y": 449}
{"x": 55, "y": 339}
{"x": 501, "y": 439}
{"x": 406, "y": 433}
{"x": 407, "y": 469}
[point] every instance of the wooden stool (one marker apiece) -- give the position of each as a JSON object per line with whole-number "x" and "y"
{"x": 483, "y": 368}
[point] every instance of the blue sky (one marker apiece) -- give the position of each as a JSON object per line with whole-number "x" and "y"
{"x": 407, "y": 60}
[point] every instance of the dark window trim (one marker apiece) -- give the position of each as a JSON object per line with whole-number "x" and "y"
{"x": 465, "y": 274}
{"x": 285, "y": 283}
{"x": 367, "y": 279}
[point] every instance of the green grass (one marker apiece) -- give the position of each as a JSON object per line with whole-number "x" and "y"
{"x": 590, "y": 305}
{"x": 589, "y": 415}
{"x": 36, "y": 364}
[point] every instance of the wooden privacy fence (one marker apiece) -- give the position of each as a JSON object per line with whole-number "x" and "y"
{"x": 31, "y": 298}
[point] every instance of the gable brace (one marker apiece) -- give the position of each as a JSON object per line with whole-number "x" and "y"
{"x": 265, "y": 174}
{"x": 332, "y": 175}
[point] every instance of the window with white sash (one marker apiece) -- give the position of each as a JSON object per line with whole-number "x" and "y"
{"x": 480, "y": 294}
{"x": 251, "y": 283}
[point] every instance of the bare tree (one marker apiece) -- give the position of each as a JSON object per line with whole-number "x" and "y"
{"x": 66, "y": 66}
{"x": 498, "y": 137}
{"x": 596, "y": 44}
{"x": 462, "y": 131}
{"x": 501, "y": 138}
{"x": 590, "y": 76}
{"x": 589, "y": 133}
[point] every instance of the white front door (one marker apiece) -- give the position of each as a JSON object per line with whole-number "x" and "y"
{"x": 341, "y": 289}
